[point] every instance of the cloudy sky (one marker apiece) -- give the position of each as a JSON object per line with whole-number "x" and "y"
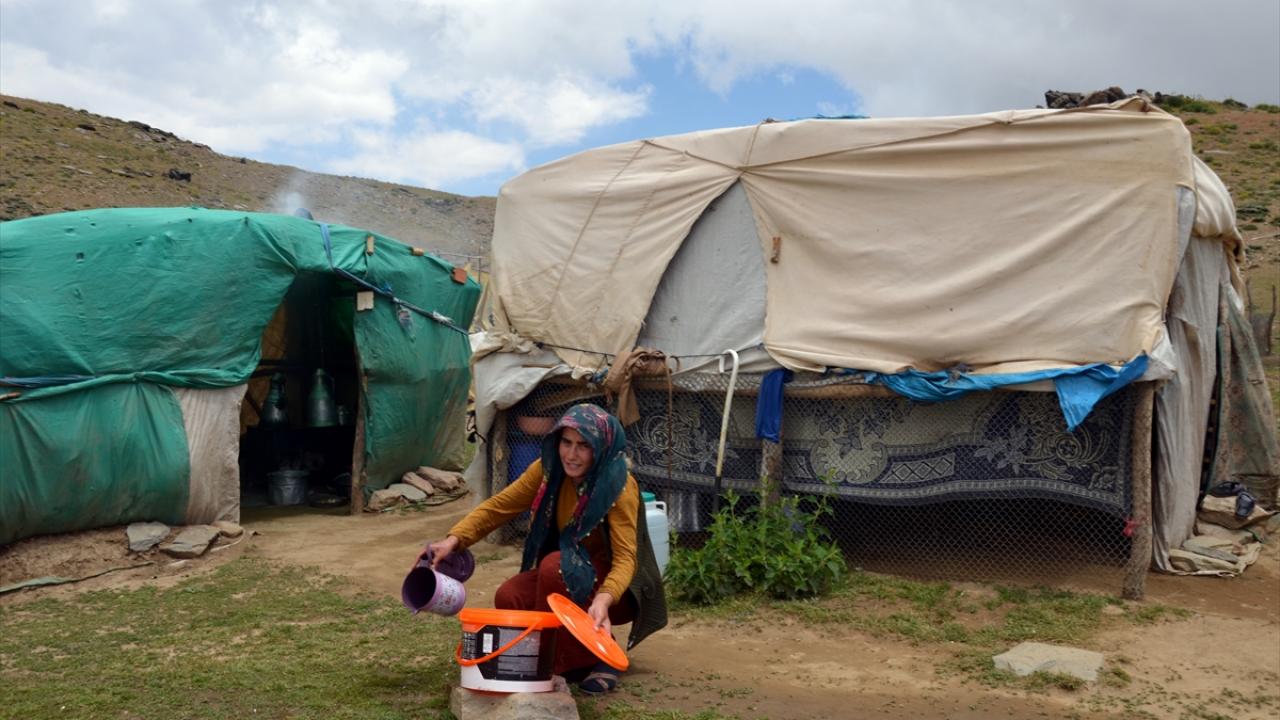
{"x": 461, "y": 95}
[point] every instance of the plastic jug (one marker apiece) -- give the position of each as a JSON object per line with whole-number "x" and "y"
{"x": 655, "y": 517}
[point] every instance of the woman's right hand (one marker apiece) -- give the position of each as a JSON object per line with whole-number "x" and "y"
{"x": 443, "y": 549}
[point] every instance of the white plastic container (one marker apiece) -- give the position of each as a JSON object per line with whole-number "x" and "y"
{"x": 655, "y": 517}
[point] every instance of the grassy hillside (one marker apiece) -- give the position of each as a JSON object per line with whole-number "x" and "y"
{"x": 1242, "y": 145}
{"x": 56, "y": 159}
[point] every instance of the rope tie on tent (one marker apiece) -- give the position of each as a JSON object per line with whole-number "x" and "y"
{"x": 384, "y": 290}
{"x": 43, "y": 381}
{"x": 677, "y": 358}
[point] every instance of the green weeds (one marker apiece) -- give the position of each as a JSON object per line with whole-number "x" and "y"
{"x": 778, "y": 549}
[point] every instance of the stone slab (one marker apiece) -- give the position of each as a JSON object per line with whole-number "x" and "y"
{"x": 408, "y": 492}
{"x": 1031, "y": 657}
{"x": 416, "y": 481}
{"x": 145, "y": 535}
{"x": 444, "y": 480}
{"x": 555, "y": 705}
{"x": 383, "y": 499}
{"x": 193, "y": 541}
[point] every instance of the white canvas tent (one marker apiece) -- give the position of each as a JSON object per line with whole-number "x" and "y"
{"x": 987, "y": 245}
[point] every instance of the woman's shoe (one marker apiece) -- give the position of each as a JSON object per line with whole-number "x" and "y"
{"x": 602, "y": 679}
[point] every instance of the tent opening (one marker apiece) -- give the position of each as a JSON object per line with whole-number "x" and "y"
{"x": 298, "y": 421}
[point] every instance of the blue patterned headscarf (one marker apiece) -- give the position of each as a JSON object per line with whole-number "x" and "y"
{"x": 597, "y": 492}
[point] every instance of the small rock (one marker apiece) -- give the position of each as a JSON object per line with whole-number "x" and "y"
{"x": 228, "y": 529}
{"x": 555, "y": 705}
{"x": 176, "y": 174}
{"x": 1113, "y": 610}
{"x": 193, "y": 541}
{"x": 87, "y": 126}
{"x": 383, "y": 499}
{"x": 1031, "y": 657}
{"x": 145, "y": 535}
{"x": 416, "y": 481}
{"x": 408, "y": 492}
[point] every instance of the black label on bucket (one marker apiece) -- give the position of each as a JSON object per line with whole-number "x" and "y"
{"x": 529, "y": 660}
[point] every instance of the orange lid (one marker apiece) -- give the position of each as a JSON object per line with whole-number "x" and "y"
{"x": 580, "y": 624}
{"x": 508, "y": 618}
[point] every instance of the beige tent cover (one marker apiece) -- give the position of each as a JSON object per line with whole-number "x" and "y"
{"x": 1010, "y": 241}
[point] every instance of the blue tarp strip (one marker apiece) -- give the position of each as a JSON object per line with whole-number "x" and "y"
{"x": 1079, "y": 388}
{"x": 769, "y": 405}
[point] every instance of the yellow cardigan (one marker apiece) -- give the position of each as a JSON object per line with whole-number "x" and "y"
{"x": 518, "y": 497}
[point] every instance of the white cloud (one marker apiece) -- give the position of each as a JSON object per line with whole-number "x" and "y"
{"x": 559, "y": 111}
{"x": 505, "y": 78}
{"x": 428, "y": 158}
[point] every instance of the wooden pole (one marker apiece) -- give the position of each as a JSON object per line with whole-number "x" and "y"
{"x": 1135, "y": 574}
{"x": 771, "y": 470}
{"x": 357, "y": 449}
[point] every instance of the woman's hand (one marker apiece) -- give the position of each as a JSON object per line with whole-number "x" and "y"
{"x": 599, "y": 611}
{"x": 443, "y": 549}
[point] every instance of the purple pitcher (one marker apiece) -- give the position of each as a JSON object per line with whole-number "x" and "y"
{"x": 438, "y": 591}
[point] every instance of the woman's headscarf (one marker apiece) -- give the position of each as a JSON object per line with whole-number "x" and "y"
{"x": 597, "y": 492}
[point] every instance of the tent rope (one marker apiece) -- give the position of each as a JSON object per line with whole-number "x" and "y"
{"x": 384, "y": 290}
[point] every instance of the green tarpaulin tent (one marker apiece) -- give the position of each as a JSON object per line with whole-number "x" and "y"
{"x": 127, "y": 337}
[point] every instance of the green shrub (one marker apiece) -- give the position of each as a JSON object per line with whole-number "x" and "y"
{"x": 1235, "y": 104}
{"x": 1267, "y": 107}
{"x": 777, "y": 548}
{"x": 1191, "y": 121}
{"x": 1199, "y": 106}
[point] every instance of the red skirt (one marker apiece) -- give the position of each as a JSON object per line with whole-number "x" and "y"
{"x": 529, "y": 590}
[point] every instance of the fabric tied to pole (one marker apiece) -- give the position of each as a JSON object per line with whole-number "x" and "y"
{"x": 769, "y": 405}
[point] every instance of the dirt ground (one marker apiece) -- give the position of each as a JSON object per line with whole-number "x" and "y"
{"x": 1227, "y": 650}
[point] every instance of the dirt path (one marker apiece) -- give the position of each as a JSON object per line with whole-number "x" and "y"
{"x": 1225, "y": 658}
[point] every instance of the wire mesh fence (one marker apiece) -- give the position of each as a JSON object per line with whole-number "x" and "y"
{"x": 990, "y": 486}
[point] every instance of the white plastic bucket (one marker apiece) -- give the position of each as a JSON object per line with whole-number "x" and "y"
{"x": 507, "y": 650}
{"x": 655, "y": 517}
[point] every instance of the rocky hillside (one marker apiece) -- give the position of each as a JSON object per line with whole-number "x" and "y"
{"x": 56, "y": 159}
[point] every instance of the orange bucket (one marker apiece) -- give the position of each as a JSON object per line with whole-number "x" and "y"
{"x": 507, "y": 650}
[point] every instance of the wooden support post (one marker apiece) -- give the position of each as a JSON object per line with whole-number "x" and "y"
{"x": 771, "y": 470}
{"x": 1135, "y": 575}
{"x": 357, "y": 449}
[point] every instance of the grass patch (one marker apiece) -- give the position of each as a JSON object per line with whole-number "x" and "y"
{"x": 250, "y": 639}
{"x": 976, "y": 624}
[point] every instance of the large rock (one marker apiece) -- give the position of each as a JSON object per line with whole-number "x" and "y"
{"x": 555, "y": 705}
{"x": 145, "y": 535}
{"x": 408, "y": 492}
{"x": 1030, "y": 657}
{"x": 193, "y": 541}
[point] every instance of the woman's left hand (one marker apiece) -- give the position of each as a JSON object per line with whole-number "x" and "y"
{"x": 599, "y": 610}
